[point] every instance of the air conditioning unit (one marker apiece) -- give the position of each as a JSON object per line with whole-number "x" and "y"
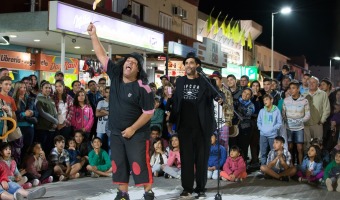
{"x": 184, "y": 14}
{"x": 174, "y": 10}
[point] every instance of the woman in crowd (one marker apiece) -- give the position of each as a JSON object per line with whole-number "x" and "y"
{"x": 63, "y": 103}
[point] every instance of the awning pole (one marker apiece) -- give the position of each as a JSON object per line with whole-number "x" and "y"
{"x": 62, "y": 66}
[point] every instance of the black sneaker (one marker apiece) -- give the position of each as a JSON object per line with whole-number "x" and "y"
{"x": 284, "y": 178}
{"x": 201, "y": 195}
{"x": 122, "y": 196}
{"x": 149, "y": 195}
{"x": 185, "y": 195}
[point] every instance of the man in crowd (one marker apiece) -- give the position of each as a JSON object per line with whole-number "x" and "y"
{"x": 164, "y": 80}
{"x": 267, "y": 89}
{"x": 244, "y": 81}
{"x": 304, "y": 86}
{"x": 235, "y": 91}
{"x": 319, "y": 111}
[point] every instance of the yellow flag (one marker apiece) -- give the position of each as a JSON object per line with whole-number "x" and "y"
{"x": 216, "y": 27}
{"x": 250, "y": 41}
{"x": 236, "y": 33}
{"x": 228, "y": 32}
{"x": 243, "y": 41}
{"x": 223, "y": 26}
{"x": 209, "y": 23}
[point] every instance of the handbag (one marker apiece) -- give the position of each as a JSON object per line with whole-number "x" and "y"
{"x": 15, "y": 135}
{"x": 233, "y": 130}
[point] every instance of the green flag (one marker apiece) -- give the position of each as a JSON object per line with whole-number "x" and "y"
{"x": 250, "y": 41}
{"x": 216, "y": 28}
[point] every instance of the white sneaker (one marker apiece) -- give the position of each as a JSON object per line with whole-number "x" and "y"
{"x": 224, "y": 179}
{"x": 18, "y": 196}
{"x": 329, "y": 185}
{"x": 61, "y": 177}
{"x": 23, "y": 180}
{"x": 35, "y": 182}
{"x": 94, "y": 175}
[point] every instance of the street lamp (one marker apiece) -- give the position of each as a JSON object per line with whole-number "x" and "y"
{"x": 330, "y": 66}
{"x": 285, "y": 11}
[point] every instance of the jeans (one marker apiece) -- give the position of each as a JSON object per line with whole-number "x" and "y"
{"x": 173, "y": 171}
{"x": 28, "y": 138}
{"x": 12, "y": 187}
{"x": 265, "y": 144}
{"x": 213, "y": 174}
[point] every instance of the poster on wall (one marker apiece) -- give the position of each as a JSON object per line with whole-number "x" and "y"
{"x": 52, "y": 63}
{"x": 176, "y": 68}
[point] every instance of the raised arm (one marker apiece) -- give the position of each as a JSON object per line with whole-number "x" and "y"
{"x": 97, "y": 45}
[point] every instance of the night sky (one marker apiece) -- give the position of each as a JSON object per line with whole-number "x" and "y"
{"x": 312, "y": 29}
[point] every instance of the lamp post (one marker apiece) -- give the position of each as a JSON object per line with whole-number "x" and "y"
{"x": 285, "y": 10}
{"x": 330, "y": 66}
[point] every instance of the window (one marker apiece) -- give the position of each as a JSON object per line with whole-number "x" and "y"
{"x": 165, "y": 21}
{"x": 187, "y": 29}
{"x": 140, "y": 11}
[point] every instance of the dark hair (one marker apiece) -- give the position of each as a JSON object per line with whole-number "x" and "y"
{"x": 232, "y": 76}
{"x": 44, "y": 82}
{"x": 142, "y": 75}
{"x": 64, "y": 94}
{"x": 91, "y": 81}
{"x": 97, "y": 138}
{"x": 4, "y": 145}
{"x": 307, "y": 74}
{"x": 286, "y": 67}
{"x": 245, "y": 76}
{"x": 106, "y": 88}
{"x": 318, "y": 157}
{"x": 71, "y": 139}
{"x": 286, "y": 77}
{"x": 155, "y": 128}
{"x": 236, "y": 148}
{"x": 30, "y": 148}
{"x": 36, "y": 87}
{"x": 76, "y": 101}
{"x": 247, "y": 88}
{"x": 316, "y": 141}
{"x": 152, "y": 84}
{"x": 170, "y": 144}
{"x": 256, "y": 81}
{"x": 268, "y": 96}
{"x": 193, "y": 56}
{"x": 267, "y": 80}
{"x": 3, "y": 69}
{"x": 58, "y": 138}
{"x": 79, "y": 131}
{"x": 5, "y": 78}
{"x": 294, "y": 82}
{"x": 76, "y": 81}
{"x": 25, "y": 79}
{"x": 328, "y": 82}
{"x": 280, "y": 138}
{"x": 154, "y": 142}
{"x": 102, "y": 79}
{"x": 337, "y": 152}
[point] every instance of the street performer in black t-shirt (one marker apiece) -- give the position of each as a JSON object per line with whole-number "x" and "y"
{"x": 193, "y": 112}
{"x": 131, "y": 108}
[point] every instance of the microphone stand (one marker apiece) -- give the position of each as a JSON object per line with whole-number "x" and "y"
{"x": 204, "y": 76}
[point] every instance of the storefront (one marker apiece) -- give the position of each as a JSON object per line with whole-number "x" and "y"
{"x": 20, "y": 64}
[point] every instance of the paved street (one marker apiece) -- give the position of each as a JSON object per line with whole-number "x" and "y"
{"x": 251, "y": 188}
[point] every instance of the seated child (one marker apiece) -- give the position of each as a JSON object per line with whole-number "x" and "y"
{"x": 14, "y": 174}
{"x": 279, "y": 164}
{"x": 100, "y": 163}
{"x": 60, "y": 160}
{"x": 37, "y": 170}
{"x": 214, "y": 163}
{"x": 234, "y": 169}
{"x": 324, "y": 153}
{"x": 158, "y": 157}
{"x": 12, "y": 190}
{"x": 72, "y": 152}
{"x": 311, "y": 167}
{"x": 331, "y": 174}
{"x": 156, "y": 133}
{"x": 173, "y": 167}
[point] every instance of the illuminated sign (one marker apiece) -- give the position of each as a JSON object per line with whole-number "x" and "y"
{"x": 73, "y": 20}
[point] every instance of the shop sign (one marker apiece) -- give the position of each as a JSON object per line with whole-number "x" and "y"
{"x": 235, "y": 53}
{"x": 176, "y": 68}
{"x": 17, "y": 60}
{"x": 238, "y": 71}
{"x": 73, "y": 20}
{"x": 179, "y": 49}
{"x": 53, "y": 63}
{"x": 210, "y": 52}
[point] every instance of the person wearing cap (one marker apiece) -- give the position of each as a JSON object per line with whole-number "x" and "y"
{"x": 226, "y": 111}
{"x": 244, "y": 81}
{"x": 164, "y": 80}
{"x": 131, "y": 108}
{"x": 319, "y": 110}
{"x": 193, "y": 114}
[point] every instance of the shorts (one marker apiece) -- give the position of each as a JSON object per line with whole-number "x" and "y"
{"x": 295, "y": 136}
{"x": 277, "y": 170}
{"x": 12, "y": 187}
{"x": 131, "y": 155}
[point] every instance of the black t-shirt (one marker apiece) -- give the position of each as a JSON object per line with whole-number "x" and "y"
{"x": 127, "y": 101}
{"x": 189, "y": 110}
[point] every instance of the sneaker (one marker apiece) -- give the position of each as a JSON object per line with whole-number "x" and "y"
{"x": 61, "y": 178}
{"x": 149, "y": 195}
{"x": 185, "y": 195}
{"x": 224, "y": 179}
{"x": 23, "y": 180}
{"x": 329, "y": 184}
{"x": 35, "y": 182}
{"x": 201, "y": 195}
{"x": 77, "y": 175}
{"x": 122, "y": 196}
{"x": 47, "y": 180}
{"x": 167, "y": 176}
{"x": 338, "y": 187}
{"x": 35, "y": 194}
{"x": 18, "y": 196}
{"x": 94, "y": 175}
{"x": 27, "y": 185}
{"x": 284, "y": 178}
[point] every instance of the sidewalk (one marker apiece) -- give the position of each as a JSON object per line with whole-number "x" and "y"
{"x": 251, "y": 188}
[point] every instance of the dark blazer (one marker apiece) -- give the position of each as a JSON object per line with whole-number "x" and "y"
{"x": 205, "y": 105}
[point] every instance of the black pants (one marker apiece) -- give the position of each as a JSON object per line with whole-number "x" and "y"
{"x": 66, "y": 132}
{"x": 45, "y": 138}
{"x": 194, "y": 151}
{"x": 242, "y": 140}
{"x": 44, "y": 175}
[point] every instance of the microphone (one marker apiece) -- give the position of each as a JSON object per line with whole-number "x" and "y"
{"x": 200, "y": 71}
